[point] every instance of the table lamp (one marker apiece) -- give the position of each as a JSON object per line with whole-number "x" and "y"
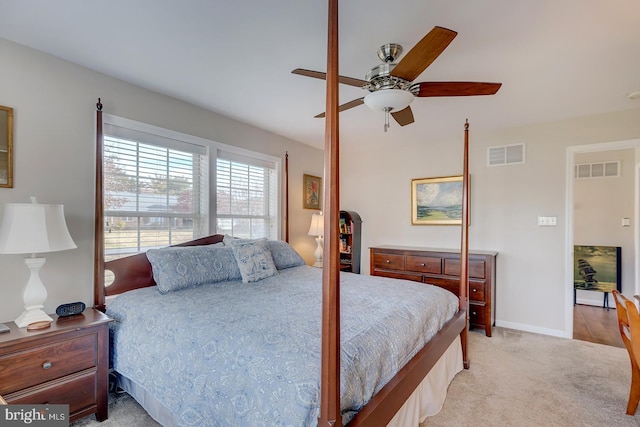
{"x": 32, "y": 228}
{"x": 317, "y": 229}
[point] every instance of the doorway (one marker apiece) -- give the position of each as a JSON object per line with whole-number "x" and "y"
{"x": 574, "y": 152}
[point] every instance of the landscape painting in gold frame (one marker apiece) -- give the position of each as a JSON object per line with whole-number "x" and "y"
{"x": 436, "y": 201}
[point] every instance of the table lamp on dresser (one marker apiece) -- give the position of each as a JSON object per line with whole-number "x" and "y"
{"x": 33, "y": 228}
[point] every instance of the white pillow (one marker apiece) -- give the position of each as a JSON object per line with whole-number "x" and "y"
{"x": 254, "y": 259}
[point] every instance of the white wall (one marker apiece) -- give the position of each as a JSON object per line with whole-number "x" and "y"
{"x": 54, "y": 104}
{"x": 599, "y": 206}
{"x": 54, "y": 135}
{"x": 505, "y": 204}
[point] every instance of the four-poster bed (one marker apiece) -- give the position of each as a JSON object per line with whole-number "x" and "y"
{"x": 393, "y": 400}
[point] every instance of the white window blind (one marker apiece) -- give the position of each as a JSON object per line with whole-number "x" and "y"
{"x": 155, "y": 189}
{"x": 247, "y": 196}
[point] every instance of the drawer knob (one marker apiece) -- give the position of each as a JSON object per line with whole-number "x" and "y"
{"x": 47, "y": 365}
{"x": 422, "y": 265}
{"x": 473, "y": 313}
{"x": 388, "y": 261}
{"x": 475, "y": 290}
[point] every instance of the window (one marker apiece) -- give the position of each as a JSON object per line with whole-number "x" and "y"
{"x": 157, "y": 190}
{"x": 247, "y": 196}
{"x": 155, "y": 187}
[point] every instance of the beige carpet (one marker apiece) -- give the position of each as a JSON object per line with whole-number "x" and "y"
{"x": 516, "y": 379}
{"x": 523, "y": 379}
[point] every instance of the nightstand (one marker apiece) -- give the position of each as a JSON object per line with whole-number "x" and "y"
{"x": 67, "y": 363}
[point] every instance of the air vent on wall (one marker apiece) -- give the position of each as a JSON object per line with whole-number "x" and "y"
{"x": 597, "y": 170}
{"x": 505, "y": 155}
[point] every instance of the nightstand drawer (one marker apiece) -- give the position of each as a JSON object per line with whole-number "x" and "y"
{"x": 78, "y": 391}
{"x": 391, "y": 261}
{"x": 40, "y": 364}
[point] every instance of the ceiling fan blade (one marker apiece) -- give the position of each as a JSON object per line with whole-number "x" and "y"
{"x": 346, "y": 106}
{"x": 427, "y": 89}
{"x": 423, "y": 53}
{"x": 323, "y": 76}
{"x": 403, "y": 117}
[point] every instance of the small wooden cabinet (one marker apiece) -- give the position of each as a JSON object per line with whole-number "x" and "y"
{"x": 441, "y": 267}
{"x": 350, "y": 246}
{"x": 67, "y": 363}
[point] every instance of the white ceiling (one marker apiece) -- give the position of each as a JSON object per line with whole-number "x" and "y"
{"x": 556, "y": 59}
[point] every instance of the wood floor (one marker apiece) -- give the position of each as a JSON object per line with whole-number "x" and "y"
{"x": 596, "y": 324}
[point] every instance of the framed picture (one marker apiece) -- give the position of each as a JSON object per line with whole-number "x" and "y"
{"x": 6, "y": 147}
{"x": 436, "y": 201}
{"x": 597, "y": 268}
{"x": 311, "y": 192}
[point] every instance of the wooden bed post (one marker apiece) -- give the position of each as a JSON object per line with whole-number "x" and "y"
{"x": 330, "y": 362}
{"x": 286, "y": 196}
{"x": 98, "y": 246}
{"x": 464, "y": 247}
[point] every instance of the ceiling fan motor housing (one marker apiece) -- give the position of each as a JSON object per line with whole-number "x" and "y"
{"x": 380, "y": 78}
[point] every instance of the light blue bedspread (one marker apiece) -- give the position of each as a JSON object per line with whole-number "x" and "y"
{"x": 234, "y": 354}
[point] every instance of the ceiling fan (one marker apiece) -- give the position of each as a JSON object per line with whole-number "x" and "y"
{"x": 391, "y": 85}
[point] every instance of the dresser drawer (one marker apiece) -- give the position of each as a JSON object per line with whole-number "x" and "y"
{"x": 476, "y": 268}
{"x": 476, "y": 314}
{"x": 424, "y": 264}
{"x": 452, "y": 285}
{"x": 388, "y": 261}
{"x": 40, "y": 364}
{"x": 77, "y": 390}
{"x": 400, "y": 275}
{"x": 476, "y": 291}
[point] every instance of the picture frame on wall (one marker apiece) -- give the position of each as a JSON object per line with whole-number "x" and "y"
{"x": 311, "y": 192}
{"x": 6, "y": 147}
{"x": 436, "y": 201}
{"x": 597, "y": 268}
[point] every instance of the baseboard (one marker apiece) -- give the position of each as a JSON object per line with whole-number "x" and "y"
{"x": 533, "y": 329}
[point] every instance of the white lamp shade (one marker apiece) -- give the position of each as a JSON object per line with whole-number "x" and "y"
{"x": 317, "y": 225}
{"x": 34, "y": 228}
{"x": 391, "y": 99}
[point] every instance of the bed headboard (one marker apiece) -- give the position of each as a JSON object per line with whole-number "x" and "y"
{"x": 135, "y": 272}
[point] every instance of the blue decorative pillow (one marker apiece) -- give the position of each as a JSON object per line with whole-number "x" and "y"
{"x": 284, "y": 256}
{"x": 254, "y": 259}
{"x": 182, "y": 267}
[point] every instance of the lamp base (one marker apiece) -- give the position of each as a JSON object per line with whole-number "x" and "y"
{"x": 34, "y": 296}
{"x": 31, "y": 315}
{"x": 318, "y": 252}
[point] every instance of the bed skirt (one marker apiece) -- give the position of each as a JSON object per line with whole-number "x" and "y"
{"x": 424, "y": 402}
{"x": 428, "y": 398}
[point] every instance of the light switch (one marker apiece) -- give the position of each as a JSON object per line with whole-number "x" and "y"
{"x": 626, "y": 222}
{"x": 547, "y": 221}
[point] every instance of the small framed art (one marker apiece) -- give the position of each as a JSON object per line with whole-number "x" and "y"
{"x": 311, "y": 192}
{"x": 436, "y": 201}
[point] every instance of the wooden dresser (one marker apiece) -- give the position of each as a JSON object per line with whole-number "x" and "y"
{"x": 67, "y": 363}
{"x": 441, "y": 267}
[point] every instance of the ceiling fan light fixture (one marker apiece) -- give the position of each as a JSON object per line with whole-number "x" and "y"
{"x": 389, "y": 100}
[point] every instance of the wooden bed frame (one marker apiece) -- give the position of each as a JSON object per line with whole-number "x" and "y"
{"x": 135, "y": 272}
